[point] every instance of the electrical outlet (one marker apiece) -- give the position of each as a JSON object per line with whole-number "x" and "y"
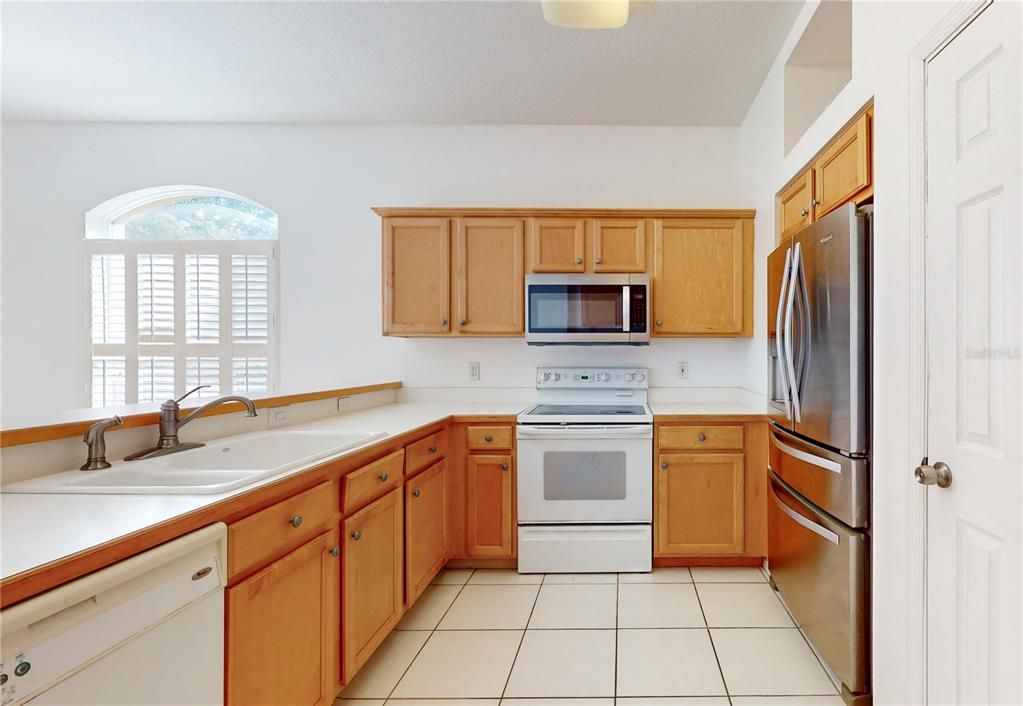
{"x": 683, "y": 370}
{"x": 278, "y": 416}
{"x": 474, "y": 371}
{"x": 342, "y": 403}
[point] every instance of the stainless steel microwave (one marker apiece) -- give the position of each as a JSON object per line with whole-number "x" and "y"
{"x": 587, "y": 309}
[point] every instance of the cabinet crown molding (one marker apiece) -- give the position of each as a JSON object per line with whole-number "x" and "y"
{"x": 456, "y": 212}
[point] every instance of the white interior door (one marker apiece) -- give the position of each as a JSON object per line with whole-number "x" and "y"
{"x": 973, "y": 340}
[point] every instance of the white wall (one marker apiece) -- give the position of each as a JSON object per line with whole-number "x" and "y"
{"x": 322, "y": 181}
{"x": 884, "y": 34}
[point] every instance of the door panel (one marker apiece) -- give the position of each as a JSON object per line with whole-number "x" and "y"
{"x": 489, "y": 498}
{"x": 557, "y": 245}
{"x": 490, "y": 276}
{"x": 417, "y": 275}
{"x": 425, "y": 509}
{"x": 794, "y": 207}
{"x": 699, "y": 504}
{"x": 843, "y": 169}
{"x": 619, "y": 245}
{"x": 973, "y": 342}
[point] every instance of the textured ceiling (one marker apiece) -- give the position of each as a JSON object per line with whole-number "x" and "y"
{"x": 674, "y": 63}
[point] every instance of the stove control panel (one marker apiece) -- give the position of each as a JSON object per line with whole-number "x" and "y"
{"x": 600, "y": 378}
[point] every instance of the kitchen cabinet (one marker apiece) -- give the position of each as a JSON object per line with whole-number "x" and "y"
{"x": 372, "y": 572}
{"x": 283, "y": 631}
{"x": 489, "y": 275}
{"x": 841, "y": 172}
{"x": 557, "y": 245}
{"x": 698, "y": 504}
{"x": 619, "y": 245}
{"x": 425, "y": 521}
{"x": 417, "y": 276}
{"x": 490, "y": 516}
{"x": 703, "y": 277}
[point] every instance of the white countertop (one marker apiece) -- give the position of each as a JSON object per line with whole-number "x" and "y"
{"x": 39, "y": 529}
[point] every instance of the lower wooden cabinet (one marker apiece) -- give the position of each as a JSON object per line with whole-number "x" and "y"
{"x": 699, "y": 507}
{"x": 283, "y": 630}
{"x": 372, "y": 578}
{"x": 425, "y": 520}
{"x": 490, "y": 517}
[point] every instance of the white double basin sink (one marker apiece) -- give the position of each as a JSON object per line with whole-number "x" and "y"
{"x": 218, "y": 467}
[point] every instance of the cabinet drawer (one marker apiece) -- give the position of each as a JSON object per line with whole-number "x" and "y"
{"x": 700, "y": 437}
{"x": 425, "y": 451}
{"x": 477, "y": 438}
{"x": 260, "y": 536}
{"x": 371, "y": 481}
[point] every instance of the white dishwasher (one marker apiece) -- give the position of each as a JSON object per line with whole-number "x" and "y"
{"x": 147, "y": 630}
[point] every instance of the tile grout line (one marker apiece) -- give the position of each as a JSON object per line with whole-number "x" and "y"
{"x": 618, "y": 592}
{"x": 507, "y": 680}
{"x": 710, "y": 637}
{"x": 390, "y": 693}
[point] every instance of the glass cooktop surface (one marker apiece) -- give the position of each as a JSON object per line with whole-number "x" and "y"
{"x": 602, "y": 410}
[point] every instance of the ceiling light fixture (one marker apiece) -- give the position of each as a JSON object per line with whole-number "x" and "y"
{"x": 586, "y": 14}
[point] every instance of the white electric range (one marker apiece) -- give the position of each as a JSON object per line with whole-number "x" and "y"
{"x": 585, "y": 473}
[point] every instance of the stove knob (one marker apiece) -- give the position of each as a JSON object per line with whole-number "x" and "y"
{"x": 629, "y": 377}
{"x": 546, "y": 377}
{"x": 557, "y": 376}
{"x": 640, "y": 377}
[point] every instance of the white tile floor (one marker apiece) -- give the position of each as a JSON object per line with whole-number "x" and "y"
{"x": 675, "y": 637}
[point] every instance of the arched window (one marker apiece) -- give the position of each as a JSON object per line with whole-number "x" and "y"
{"x": 183, "y": 283}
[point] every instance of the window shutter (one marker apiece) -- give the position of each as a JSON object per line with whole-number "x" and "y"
{"x": 250, "y": 298}
{"x": 156, "y": 378}
{"x": 108, "y": 383}
{"x": 250, "y": 374}
{"x": 155, "y": 298}
{"x": 203, "y": 370}
{"x": 202, "y": 298}
{"x": 108, "y": 298}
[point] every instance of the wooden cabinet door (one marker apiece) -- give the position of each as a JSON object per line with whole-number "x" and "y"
{"x": 425, "y": 551}
{"x": 619, "y": 245}
{"x": 795, "y": 207}
{"x": 417, "y": 276}
{"x": 557, "y": 245}
{"x": 490, "y": 521}
{"x": 489, "y": 275}
{"x": 283, "y": 630}
{"x": 371, "y": 578}
{"x": 698, "y": 502}
{"x": 703, "y": 278}
{"x": 843, "y": 169}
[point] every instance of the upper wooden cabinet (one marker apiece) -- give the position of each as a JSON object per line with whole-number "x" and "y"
{"x": 557, "y": 245}
{"x": 840, "y": 173}
{"x": 703, "y": 277}
{"x": 417, "y": 275}
{"x": 489, "y": 274}
{"x": 619, "y": 245}
{"x": 283, "y": 630}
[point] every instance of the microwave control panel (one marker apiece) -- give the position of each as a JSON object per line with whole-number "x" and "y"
{"x": 637, "y": 308}
{"x": 592, "y": 378}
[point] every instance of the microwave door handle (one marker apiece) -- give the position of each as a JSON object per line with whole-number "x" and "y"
{"x": 789, "y": 306}
{"x": 780, "y": 334}
{"x": 625, "y": 309}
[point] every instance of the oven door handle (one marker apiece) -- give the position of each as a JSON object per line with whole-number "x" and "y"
{"x": 553, "y": 431}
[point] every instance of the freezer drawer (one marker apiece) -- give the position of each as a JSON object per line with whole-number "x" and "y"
{"x": 821, "y": 569}
{"x": 837, "y": 484}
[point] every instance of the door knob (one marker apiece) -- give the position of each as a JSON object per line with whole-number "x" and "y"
{"x": 356, "y": 535}
{"x": 461, "y": 322}
{"x": 803, "y": 212}
{"x": 383, "y": 477}
{"x": 815, "y": 202}
{"x": 488, "y": 438}
{"x": 504, "y": 466}
{"x": 433, "y": 449}
{"x": 939, "y": 474}
{"x": 296, "y": 521}
{"x": 335, "y": 551}
{"x": 658, "y": 322}
{"x": 443, "y": 322}
{"x": 597, "y": 260}
{"x": 664, "y": 466}
{"x": 702, "y": 436}
{"x": 416, "y": 493}
{"x": 578, "y": 261}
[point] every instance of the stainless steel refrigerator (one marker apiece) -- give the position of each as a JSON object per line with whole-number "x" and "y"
{"x": 819, "y": 505}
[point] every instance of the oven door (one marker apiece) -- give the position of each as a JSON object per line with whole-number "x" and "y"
{"x": 585, "y": 309}
{"x": 585, "y": 473}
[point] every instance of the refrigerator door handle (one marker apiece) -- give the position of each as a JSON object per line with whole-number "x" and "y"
{"x": 805, "y": 349}
{"x": 789, "y": 307}
{"x": 826, "y": 464}
{"x": 779, "y": 336}
{"x": 817, "y": 529}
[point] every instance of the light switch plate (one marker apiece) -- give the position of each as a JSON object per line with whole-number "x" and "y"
{"x": 474, "y": 371}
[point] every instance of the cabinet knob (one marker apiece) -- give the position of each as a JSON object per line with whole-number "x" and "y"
{"x": 664, "y": 466}
{"x": 815, "y": 202}
{"x": 443, "y": 322}
{"x": 335, "y": 551}
{"x": 701, "y": 436}
{"x": 296, "y": 521}
{"x": 578, "y": 261}
{"x": 803, "y": 212}
{"x": 488, "y": 438}
{"x": 658, "y": 322}
{"x": 416, "y": 493}
{"x": 461, "y": 322}
{"x": 433, "y": 449}
{"x": 597, "y": 260}
{"x": 356, "y": 535}
{"x": 504, "y": 466}
{"x": 383, "y": 477}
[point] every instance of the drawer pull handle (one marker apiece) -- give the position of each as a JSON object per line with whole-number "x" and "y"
{"x": 701, "y": 436}
{"x": 296, "y": 521}
{"x": 202, "y": 573}
{"x": 433, "y": 449}
{"x": 488, "y": 438}
{"x": 335, "y": 551}
{"x": 383, "y": 477}
{"x": 416, "y": 493}
{"x": 664, "y": 466}
{"x": 356, "y": 535}
{"x": 504, "y": 466}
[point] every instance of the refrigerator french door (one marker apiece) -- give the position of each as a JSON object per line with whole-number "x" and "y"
{"x": 819, "y": 506}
